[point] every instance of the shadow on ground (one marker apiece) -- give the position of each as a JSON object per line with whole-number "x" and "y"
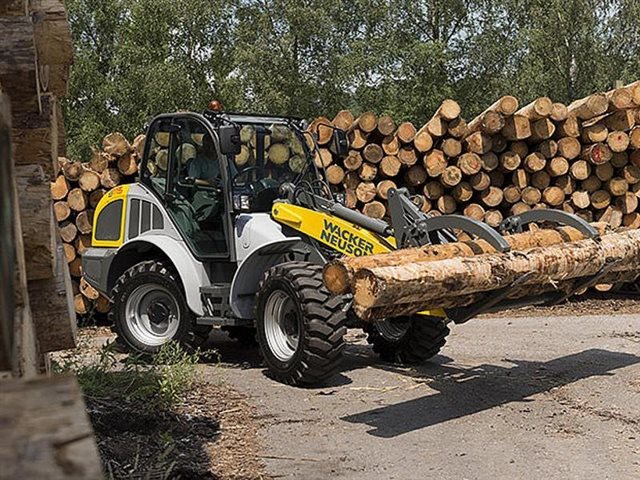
{"x": 465, "y": 391}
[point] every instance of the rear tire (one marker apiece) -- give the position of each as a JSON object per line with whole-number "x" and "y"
{"x": 149, "y": 310}
{"x": 300, "y": 324}
{"x": 408, "y": 340}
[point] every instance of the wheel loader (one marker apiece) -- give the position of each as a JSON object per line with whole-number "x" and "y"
{"x": 205, "y": 240}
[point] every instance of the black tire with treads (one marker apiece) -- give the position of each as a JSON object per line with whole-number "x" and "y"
{"x": 423, "y": 339}
{"x": 189, "y": 335}
{"x": 321, "y": 322}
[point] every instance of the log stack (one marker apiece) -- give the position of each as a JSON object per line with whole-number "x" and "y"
{"x": 46, "y": 432}
{"x": 583, "y": 158}
{"x": 76, "y": 191}
{"x": 34, "y": 59}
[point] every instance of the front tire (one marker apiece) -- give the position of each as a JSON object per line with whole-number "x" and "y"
{"x": 149, "y": 310}
{"x": 408, "y": 340}
{"x": 300, "y": 325}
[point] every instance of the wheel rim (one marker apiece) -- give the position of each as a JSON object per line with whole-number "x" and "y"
{"x": 393, "y": 329}
{"x": 152, "y": 314}
{"x": 281, "y": 325}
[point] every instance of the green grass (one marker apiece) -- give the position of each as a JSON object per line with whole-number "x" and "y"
{"x": 153, "y": 382}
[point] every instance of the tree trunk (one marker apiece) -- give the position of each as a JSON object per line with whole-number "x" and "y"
{"x": 517, "y": 127}
{"x": 406, "y": 132}
{"x": 77, "y": 200}
{"x": 589, "y": 107}
{"x": 373, "y": 153}
{"x": 390, "y": 166}
{"x": 431, "y": 283}
{"x": 339, "y": 274}
{"x": 374, "y": 209}
{"x": 539, "y": 108}
{"x": 436, "y": 163}
{"x": 367, "y": 172}
{"x": 423, "y": 141}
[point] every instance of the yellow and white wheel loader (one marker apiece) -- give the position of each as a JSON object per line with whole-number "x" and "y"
{"x": 205, "y": 240}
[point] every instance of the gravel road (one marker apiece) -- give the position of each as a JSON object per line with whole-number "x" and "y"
{"x": 528, "y": 398}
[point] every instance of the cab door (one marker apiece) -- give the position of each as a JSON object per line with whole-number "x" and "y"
{"x": 184, "y": 167}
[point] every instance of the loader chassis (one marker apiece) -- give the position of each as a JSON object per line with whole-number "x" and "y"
{"x": 200, "y": 241}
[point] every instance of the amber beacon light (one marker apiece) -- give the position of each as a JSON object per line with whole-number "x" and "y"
{"x": 215, "y": 106}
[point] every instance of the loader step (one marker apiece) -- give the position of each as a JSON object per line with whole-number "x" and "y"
{"x": 217, "y": 312}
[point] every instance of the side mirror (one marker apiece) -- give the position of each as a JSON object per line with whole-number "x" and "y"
{"x": 339, "y": 145}
{"x": 229, "y": 139}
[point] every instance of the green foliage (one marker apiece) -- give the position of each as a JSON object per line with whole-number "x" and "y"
{"x": 156, "y": 382}
{"x": 138, "y": 58}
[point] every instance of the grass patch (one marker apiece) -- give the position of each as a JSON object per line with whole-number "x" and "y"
{"x": 157, "y": 382}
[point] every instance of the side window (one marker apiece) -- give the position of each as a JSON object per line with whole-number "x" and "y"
{"x": 108, "y": 224}
{"x": 158, "y": 155}
{"x": 195, "y": 154}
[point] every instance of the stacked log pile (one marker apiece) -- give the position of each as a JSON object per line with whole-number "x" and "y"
{"x": 583, "y": 158}
{"x": 46, "y": 432}
{"x": 34, "y": 61}
{"x": 76, "y": 191}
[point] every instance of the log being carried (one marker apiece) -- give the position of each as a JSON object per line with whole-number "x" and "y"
{"x": 545, "y": 265}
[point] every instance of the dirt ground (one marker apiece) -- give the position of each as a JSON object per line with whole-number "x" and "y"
{"x": 528, "y": 398}
{"x": 532, "y": 393}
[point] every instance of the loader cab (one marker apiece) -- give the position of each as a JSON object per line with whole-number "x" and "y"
{"x": 209, "y": 169}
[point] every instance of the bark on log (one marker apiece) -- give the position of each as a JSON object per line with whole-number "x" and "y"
{"x": 373, "y": 153}
{"x": 517, "y": 127}
{"x": 539, "y": 108}
{"x": 457, "y": 128}
{"x": 37, "y": 220}
{"x": 339, "y": 274}
{"x": 52, "y": 309}
{"x": 589, "y": 107}
{"x": 432, "y": 283}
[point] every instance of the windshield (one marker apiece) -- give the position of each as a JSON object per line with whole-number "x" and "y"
{"x": 270, "y": 155}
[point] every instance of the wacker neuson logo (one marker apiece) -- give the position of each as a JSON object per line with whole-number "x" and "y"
{"x": 344, "y": 240}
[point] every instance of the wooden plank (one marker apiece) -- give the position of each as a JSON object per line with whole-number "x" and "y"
{"x": 18, "y": 64}
{"x": 45, "y": 431}
{"x": 39, "y": 227}
{"x": 52, "y": 308}
{"x": 13, "y": 8}
{"x": 35, "y": 136}
{"x": 7, "y": 241}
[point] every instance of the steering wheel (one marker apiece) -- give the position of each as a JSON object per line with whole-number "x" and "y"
{"x": 243, "y": 171}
